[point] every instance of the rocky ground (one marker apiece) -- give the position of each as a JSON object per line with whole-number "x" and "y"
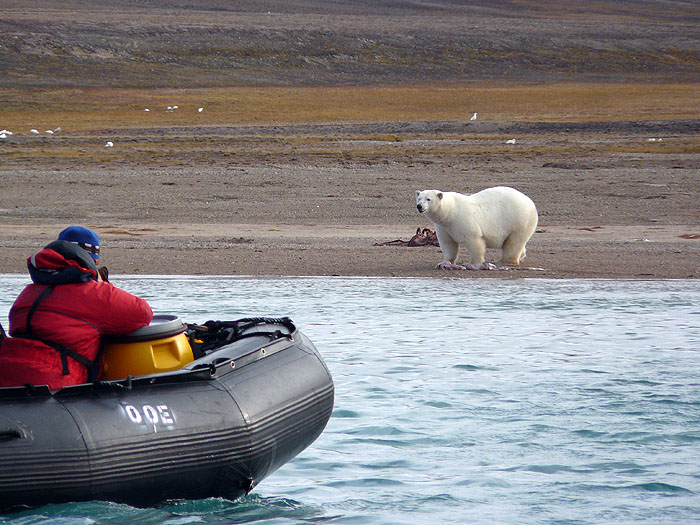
{"x": 176, "y": 43}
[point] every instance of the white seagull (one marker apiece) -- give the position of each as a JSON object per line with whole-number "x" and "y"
{"x": 109, "y": 144}
{"x": 49, "y": 131}
{"x": 34, "y": 131}
{"x": 473, "y": 116}
{"x": 200, "y": 110}
{"x": 147, "y": 109}
{"x": 510, "y": 141}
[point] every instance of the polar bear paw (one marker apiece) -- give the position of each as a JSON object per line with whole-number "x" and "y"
{"x": 487, "y": 266}
{"x": 447, "y": 265}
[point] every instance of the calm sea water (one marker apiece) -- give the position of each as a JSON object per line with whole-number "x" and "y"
{"x": 464, "y": 401}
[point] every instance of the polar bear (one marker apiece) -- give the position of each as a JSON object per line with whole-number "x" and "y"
{"x": 499, "y": 217}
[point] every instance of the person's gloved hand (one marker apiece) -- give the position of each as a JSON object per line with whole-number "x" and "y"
{"x": 104, "y": 273}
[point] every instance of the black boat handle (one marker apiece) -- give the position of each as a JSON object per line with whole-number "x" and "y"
{"x": 6, "y": 435}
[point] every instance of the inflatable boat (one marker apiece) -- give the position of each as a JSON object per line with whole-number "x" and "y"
{"x": 185, "y": 411}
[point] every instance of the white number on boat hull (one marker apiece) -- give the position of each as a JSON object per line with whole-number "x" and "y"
{"x": 150, "y": 415}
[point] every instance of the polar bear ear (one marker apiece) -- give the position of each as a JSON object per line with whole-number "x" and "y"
{"x": 439, "y": 195}
{"x": 417, "y": 193}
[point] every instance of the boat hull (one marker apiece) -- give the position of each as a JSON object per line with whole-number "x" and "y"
{"x": 216, "y": 428}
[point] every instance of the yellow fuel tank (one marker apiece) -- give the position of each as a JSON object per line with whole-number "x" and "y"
{"x": 161, "y": 346}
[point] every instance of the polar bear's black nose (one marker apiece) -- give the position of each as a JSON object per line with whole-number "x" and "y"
{"x": 420, "y": 207}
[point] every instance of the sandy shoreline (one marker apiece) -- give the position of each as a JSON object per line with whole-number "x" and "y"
{"x": 612, "y": 203}
{"x": 619, "y": 252}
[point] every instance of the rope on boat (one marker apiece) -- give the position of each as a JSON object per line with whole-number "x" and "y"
{"x": 215, "y": 334}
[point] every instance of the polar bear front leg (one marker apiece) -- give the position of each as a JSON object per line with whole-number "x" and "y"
{"x": 477, "y": 252}
{"x": 450, "y": 250}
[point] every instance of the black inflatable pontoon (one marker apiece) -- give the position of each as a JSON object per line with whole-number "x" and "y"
{"x": 256, "y": 395}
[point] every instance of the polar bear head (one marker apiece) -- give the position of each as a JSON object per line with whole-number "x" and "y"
{"x": 428, "y": 200}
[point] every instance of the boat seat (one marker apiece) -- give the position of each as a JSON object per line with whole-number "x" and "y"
{"x": 162, "y": 346}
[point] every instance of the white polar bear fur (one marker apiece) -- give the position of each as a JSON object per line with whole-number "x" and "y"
{"x": 499, "y": 217}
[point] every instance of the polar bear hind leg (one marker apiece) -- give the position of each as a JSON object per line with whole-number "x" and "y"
{"x": 514, "y": 249}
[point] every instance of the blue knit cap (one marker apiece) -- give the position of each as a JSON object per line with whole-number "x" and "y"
{"x": 83, "y": 237}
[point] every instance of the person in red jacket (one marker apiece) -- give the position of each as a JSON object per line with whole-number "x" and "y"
{"x": 57, "y": 322}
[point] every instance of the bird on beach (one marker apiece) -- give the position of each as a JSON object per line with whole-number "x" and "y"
{"x": 510, "y": 141}
{"x": 49, "y": 132}
{"x": 109, "y": 144}
{"x": 200, "y": 110}
{"x": 34, "y": 131}
{"x": 473, "y": 116}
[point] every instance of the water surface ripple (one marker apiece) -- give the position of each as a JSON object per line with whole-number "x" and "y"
{"x": 465, "y": 401}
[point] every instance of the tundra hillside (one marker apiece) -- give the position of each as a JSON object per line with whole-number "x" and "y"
{"x": 303, "y": 129}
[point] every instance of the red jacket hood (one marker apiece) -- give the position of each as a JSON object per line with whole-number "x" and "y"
{"x": 61, "y": 262}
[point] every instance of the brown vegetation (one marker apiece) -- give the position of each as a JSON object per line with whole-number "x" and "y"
{"x": 91, "y": 109}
